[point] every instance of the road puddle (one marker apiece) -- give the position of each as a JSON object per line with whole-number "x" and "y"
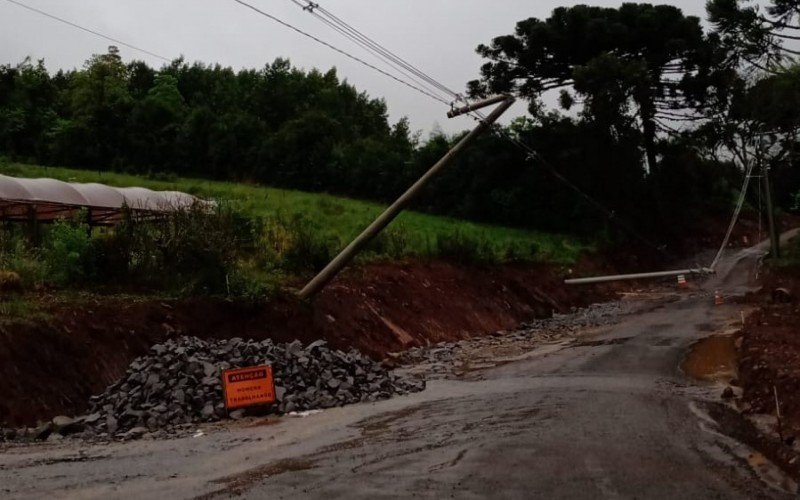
{"x": 712, "y": 359}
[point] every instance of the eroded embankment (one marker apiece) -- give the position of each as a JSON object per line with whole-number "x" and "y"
{"x": 52, "y": 367}
{"x": 769, "y": 361}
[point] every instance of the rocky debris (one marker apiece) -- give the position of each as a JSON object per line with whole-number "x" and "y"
{"x": 179, "y": 384}
{"x": 65, "y": 425}
{"x": 447, "y": 359}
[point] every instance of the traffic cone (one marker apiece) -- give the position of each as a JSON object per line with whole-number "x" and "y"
{"x": 682, "y": 281}
{"x": 718, "y": 300}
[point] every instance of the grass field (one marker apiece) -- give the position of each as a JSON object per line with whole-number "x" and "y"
{"x": 338, "y": 219}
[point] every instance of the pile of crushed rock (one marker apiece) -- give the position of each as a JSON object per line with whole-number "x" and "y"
{"x": 455, "y": 359}
{"x": 178, "y": 385}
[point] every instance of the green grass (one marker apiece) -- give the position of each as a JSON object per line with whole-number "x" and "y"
{"x": 337, "y": 219}
{"x": 15, "y": 308}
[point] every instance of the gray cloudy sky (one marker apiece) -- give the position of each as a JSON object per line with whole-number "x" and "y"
{"x": 438, "y": 36}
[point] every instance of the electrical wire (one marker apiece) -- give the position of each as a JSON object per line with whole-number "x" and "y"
{"x": 88, "y": 30}
{"x": 371, "y": 45}
{"x": 386, "y": 59}
{"x": 736, "y": 212}
{"x": 535, "y": 155}
{"x": 404, "y": 66}
{"x": 336, "y": 49}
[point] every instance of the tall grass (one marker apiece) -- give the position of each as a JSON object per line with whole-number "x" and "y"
{"x": 332, "y": 221}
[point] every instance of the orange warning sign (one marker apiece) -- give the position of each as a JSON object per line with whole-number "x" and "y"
{"x": 248, "y": 387}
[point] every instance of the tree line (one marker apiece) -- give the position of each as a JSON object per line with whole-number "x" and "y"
{"x": 657, "y": 119}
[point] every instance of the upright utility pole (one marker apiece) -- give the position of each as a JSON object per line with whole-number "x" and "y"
{"x": 343, "y": 259}
{"x": 773, "y": 230}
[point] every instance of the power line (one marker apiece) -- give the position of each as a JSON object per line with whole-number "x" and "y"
{"x": 533, "y": 154}
{"x": 382, "y": 52}
{"x": 404, "y": 66}
{"x": 385, "y": 59}
{"x": 88, "y": 30}
{"x": 340, "y": 51}
{"x": 370, "y": 44}
{"x": 388, "y": 60}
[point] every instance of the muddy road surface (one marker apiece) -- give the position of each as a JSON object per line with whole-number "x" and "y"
{"x": 603, "y": 413}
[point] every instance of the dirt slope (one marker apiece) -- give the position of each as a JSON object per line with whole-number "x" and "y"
{"x": 53, "y": 367}
{"x": 770, "y": 353}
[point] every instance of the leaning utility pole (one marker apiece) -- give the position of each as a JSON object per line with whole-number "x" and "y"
{"x": 773, "y": 230}
{"x": 343, "y": 259}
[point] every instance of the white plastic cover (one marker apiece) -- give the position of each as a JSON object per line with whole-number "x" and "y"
{"x": 50, "y": 199}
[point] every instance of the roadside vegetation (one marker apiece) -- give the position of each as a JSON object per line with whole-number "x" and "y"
{"x": 649, "y": 140}
{"x": 248, "y": 247}
{"x": 789, "y": 263}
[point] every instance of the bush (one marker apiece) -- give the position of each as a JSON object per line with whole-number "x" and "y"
{"x": 298, "y": 245}
{"x": 67, "y": 253}
{"x": 192, "y": 251}
{"x": 251, "y": 283}
{"x": 464, "y": 248}
{"x": 517, "y": 252}
{"x": 188, "y": 251}
{"x": 10, "y": 282}
{"x": 17, "y": 257}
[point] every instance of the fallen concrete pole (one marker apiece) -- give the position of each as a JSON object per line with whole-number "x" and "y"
{"x": 624, "y": 277}
{"x": 345, "y": 256}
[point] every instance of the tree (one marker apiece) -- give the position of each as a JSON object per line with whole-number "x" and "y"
{"x": 100, "y": 102}
{"x": 757, "y": 35}
{"x": 774, "y": 103}
{"x": 155, "y": 122}
{"x": 27, "y": 99}
{"x": 639, "y": 54}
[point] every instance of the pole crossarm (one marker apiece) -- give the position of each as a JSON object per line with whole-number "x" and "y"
{"x": 477, "y": 105}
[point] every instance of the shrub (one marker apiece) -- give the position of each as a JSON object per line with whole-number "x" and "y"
{"x": 252, "y": 283}
{"x": 10, "y": 281}
{"x": 464, "y": 248}
{"x": 18, "y": 257}
{"x": 189, "y": 251}
{"x": 298, "y": 245}
{"x": 67, "y": 253}
{"x": 517, "y": 252}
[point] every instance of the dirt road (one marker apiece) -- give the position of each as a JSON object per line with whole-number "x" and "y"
{"x": 607, "y": 415}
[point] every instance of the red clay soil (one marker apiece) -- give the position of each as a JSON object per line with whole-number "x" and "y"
{"x": 769, "y": 356}
{"x": 769, "y": 359}
{"x": 52, "y": 367}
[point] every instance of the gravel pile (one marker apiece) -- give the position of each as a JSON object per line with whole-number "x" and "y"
{"x": 179, "y": 384}
{"x": 446, "y": 359}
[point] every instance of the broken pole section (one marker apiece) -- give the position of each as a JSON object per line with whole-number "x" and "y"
{"x": 345, "y": 256}
{"x": 623, "y": 277}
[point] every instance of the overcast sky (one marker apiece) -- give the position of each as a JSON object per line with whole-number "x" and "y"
{"x": 438, "y": 36}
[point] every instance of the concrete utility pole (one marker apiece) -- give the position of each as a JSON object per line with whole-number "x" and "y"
{"x": 343, "y": 259}
{"x": 639, "y": 276}
{"x": 773, "y": 230}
